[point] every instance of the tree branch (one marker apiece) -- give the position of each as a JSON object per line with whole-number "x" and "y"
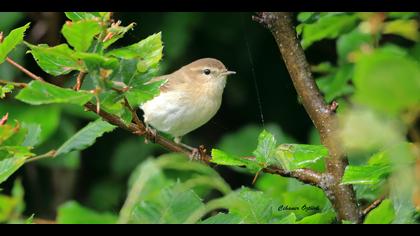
{"x": 138, "y": 128}
{"x": 322, "y": 115}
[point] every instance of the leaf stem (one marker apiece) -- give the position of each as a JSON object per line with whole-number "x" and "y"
{"x": 24, "y": 70}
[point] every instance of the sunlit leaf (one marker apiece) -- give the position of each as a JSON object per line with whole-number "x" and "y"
{"x": 76, "y": 16}
{"x": 73, "y": 213}
{"x": 327, "y": 27}
{"x": 222, "y": 218}
{"x": 37, "y": 93}
{"x": 85, "y": 137}
{"x": 57, "y": 60}
{"x": 14, "y": 38}
{"x": 383, "y": 214}
{"x": 80, "y": 34}
{"x": 408, "y": 29}
{"x": 295, "y": 156}
{"x": 9, "y": 166}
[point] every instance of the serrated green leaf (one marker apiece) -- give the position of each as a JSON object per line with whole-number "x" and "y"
{"x": 18, "y": 151}
{"x": 96, "y": 60}
{"x": 383, "y": 214}
{"x": 76, "y": 16}
{"x": 266, "y": 148}
{"x": 328, "y": 26}
{"x": 57, "y": 60}
{"x": 148, "y": 52}
{"x": 222, "y": 158}
{"x": 143, "y": 93}
{"x": 377, "y": 169}
{"x": 74, "y": 213}
{"x": 11, "y": 41}
{"x": 85, "y": 137}
{"x": 9, "y": 166}
{"x": 80, "y": 34}
{"x": 295, "y": 156}
{"x": 37, "y": 93}
{"x": 319, "y": 218}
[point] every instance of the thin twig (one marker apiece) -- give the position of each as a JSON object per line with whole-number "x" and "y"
{"x": 24, "y": 70}
{"x": 49, "y": 154}
{"x": 372, "y": 206}
{"x": 323, "y": 116}
{"x": 79, "y": 81}
{"x": 19, "y": 85}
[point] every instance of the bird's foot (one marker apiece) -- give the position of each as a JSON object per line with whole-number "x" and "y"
{"x": 195, "y": 155}
{"x": 150, "y": 134}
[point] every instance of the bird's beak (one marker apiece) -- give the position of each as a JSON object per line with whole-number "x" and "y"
{"x": 228, "y": 73}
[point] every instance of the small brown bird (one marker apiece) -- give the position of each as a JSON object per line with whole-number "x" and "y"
{"x": 189, "y": 98}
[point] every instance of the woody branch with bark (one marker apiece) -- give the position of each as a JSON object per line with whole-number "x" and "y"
{"x": 322, "y": 115}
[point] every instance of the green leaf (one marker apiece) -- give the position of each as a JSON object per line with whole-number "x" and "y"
{"x": 253, "y": 207}
{"x": 402, "y": 15}
{"x": 336, "y": 84}
{"x": 117, "y": 33}
{"x": 5, "y": 89}
{"x": 222, "y": 218}
{"x": 319, "y": 218}
{"x": 11, "y": 41}
{"x": 244, "y": 141}
{"x": 57, "y": 60}
{"x": 9, "y": 166}
{"x": 85, "y": 137}
{"x": 33, "y": 134}
{"x": 328, "y": 26}
{"x": 47, "y": 116}
{"x": 351, "y": 42}
{"x": 37, "y": 93}
{"x": 174, "y": 205}
{"x": 222, "y": 158}
{"x": 143, "y": 93}
{"x": 73, "y": 213}
{"x": 290, "y": 219}
{"x": 148, "y": 52}
{"x": 295, "y": 156}
{"x": 266, "y": 147}
{"x": 96, "y": 60}
{"x": 404, "y": 28}
{"x": 17, "y": 151}
{"x": 378, "y": 168}
{"x": 76, "y": 16}
{"x": 80, "y": 34}
{"x": 383, "y": 214}
{"x": 145, "y": 184}
{"x": 379, "y": 84}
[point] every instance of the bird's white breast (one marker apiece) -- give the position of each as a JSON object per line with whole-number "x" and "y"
{"x": 180, "y": 112}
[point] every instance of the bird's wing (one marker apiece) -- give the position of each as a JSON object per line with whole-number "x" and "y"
{"x": 170, "y": 83}
{"x": 164, "y": 87}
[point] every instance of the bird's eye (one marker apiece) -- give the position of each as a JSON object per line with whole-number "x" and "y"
{"x": 206, "y": 71}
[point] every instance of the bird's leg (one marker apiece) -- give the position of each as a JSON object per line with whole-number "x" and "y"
{"x": 150, "y": 134}
{"x": 195, "y": 153}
